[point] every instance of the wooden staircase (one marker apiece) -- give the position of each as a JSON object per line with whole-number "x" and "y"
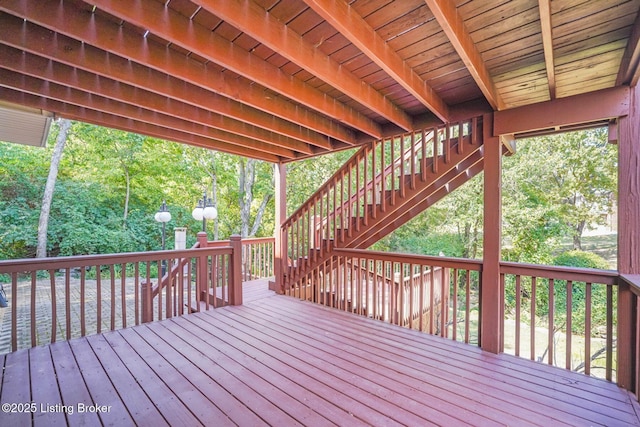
{"x": 384, "y": 185}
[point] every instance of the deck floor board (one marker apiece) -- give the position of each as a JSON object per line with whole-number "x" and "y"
{"x": 72, "y": 386}
{"x": 447, "y": 365}
{"x": 280, "y": 361}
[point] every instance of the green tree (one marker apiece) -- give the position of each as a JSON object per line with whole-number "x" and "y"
{"x": 555, "y": 186}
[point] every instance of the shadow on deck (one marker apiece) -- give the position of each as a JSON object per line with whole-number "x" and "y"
{"x": 280, "y": 361}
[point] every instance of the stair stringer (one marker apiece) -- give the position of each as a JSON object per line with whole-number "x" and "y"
{"x": 458, "y": 160}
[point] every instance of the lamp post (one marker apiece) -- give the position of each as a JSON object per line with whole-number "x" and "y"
{"x": 163, "y": 216}
{"x": 204, "y": 211}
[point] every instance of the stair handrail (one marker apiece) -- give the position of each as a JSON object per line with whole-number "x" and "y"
{"x": 173, "y": 271}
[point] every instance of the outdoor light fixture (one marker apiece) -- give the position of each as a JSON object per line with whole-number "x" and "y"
{"x": 163, "y": 216}
{"x": 204, "y": 211}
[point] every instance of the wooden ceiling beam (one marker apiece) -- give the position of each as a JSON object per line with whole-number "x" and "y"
{"x": 352, "y": 26}
{"x": 127, "y": 124}
{"x": 547, "y": 42}
{"x": 46, "y": 89}
{"x": 88, "y": 42}
{"x": 178, "y": 29}
{"x": 253, "y": 20}
{"x": 629, "y": 71}
{"x": 451, "y": 22}
{"x": 48, "y": 70}
{"x": 585, "y": 108}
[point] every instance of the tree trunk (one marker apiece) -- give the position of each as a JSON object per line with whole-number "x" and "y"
{"x": 214, "y": 197}
{"x": 577, "y": 235}
{"x": 47, "y": 198}
{"x": 127, "y": 179}
{"x": 258, "y": 219}
{"x": 246, "y": 178}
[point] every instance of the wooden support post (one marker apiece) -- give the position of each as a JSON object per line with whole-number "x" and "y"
{"x": 280, "y": 253}
{"x": 235, "y": 282}
{"x": 628, "y": 237}
{"x": 202, "y": 278}
{"x": 202, "y": 239}
{"x": 491, "y": 316}
{"x": 147, "y": 302}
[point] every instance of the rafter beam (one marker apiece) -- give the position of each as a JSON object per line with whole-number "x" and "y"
{"x": 253, "y": 20}
{"x": 588, "y": 107}
{"x": 178, "y": 29}
{"x": 90, "y": 38}
{"x": 547, "y": 43}
{"x": 351, "y": 25}
{"x": 47, "y": 70}
{"x": 47, "y": 89}
{"x": 451, "y": 22}
{"x": 127, "y": 124}
{"x": 629, "y": 71}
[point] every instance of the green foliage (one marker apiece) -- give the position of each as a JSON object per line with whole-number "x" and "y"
{"x": 431, "y": 244}
{"x": 578, "y": 292}
{"x": 581, "y": 259}
{"x": 88, "y": 209}
{"x": 554, "y": 187}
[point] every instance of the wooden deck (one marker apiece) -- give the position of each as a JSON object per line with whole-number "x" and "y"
{"x": 280, "y": 361}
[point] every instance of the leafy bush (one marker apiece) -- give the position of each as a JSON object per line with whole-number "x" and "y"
{"x": 581, "y": 259}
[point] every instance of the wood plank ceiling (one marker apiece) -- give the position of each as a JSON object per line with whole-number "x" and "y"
{"x": 281, "y": 80}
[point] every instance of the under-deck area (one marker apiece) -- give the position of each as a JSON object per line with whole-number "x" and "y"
{"x": 280, "y": 361}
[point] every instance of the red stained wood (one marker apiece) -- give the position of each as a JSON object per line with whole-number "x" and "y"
{"x": 281, "y": 361}
{"x": 595, "y": 106}
{"x": 491, "y": 316}
{"x": 628, "y": 233}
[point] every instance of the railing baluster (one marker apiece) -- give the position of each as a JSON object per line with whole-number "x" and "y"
{"x": 467, "y": 306}
{"x": 112, "y": 299}
{"x": 123, "y": 294}
{"x": 454, "y": 314}
{"x": 411, "y": 298}
{"x": 447, "y": 144}
{"x": 413, "y": 160}
{"x": 444, "y": 293}
{"x": 14, "y": 312}
{"x": 32, "y": 311}
{"x": 169, "y": 291}
{"x": 136, "y": 291}
{"x": 67, "y": 302}
{"x": 432, "y": 298}
{"x": 587, "y": 330}
{"x": 54, "y": 310}
{"x": 422, "y": 297}
{"x": 609, "y": 338}
{"x": 532, "y": 328}
{"x": 392, "y": 175}
{"x": 436, "y": 143}
{"x": 569, "y": 326}
{"x": 518, "y": 308}
{"x": 423, "y": 161}
{"x": 99, "y": 297}
{"x": 551, "y": 329}
{"x": 402, "y": 167}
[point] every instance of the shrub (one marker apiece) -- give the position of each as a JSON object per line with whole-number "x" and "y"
{"x": 581, "y": 259}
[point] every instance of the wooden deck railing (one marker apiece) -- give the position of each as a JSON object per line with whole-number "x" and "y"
{"x": 562, "y": 316}
{"x": 437, "y": 295}
{"x": 61, "y": 298}
{"x": 570, "y": 314}
{"x": 367, "y": 186}
{"x": 257, "y": 256}
{"x": 631, "y": 283}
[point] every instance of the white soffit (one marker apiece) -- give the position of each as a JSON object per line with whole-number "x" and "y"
{"x": 24, "y": 125}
